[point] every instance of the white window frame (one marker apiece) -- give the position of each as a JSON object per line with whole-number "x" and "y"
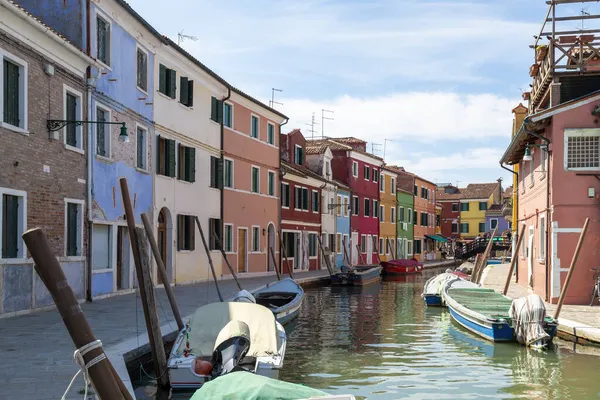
{"x": 230, "y": 245}
{"x": 327, "y": 167}
{"x": 577, "y": 133}
{"x": 316, "y": 245}
{"x": 346, "y": 202}
{"x": 255, "y": 245}
{"x": 393, "y": 185}
{"x": 270, "y": 124}
{"x": 355, "y": 210}
{"x": 409, "y": 248}
{"x": 298, "y": 207}
{"x": 252, "y": 116}
{"x": 365, "y": 169}
{"x": 493, "y": 219}
{"x": 382, "y": 213}
{"x": 382, "y": 247}
{"x": 365, "y": 200}
{"x": 269, "y": 174}
{"x": 111, "y": 247}
{"x": 542, "y": 239}
{"x": 312, "y": 202}
{"x": 102, "y": 15}
{"x": 304, "y": 155}
{"x": 143, "y": 50}
{"x": 231, "y": 113}
{"x": 376, "y": 175}
{"x": 363, "y": 244}
{"x": 23, "y": 91}
{"x": 339, "y": 212}
{"x": 382, "y": 183}
{"x": 225, "y": 159}
{"x": 22, "y": 226}
{"x": 338, "y": 239}
{"x": 355, "y": 169}
{"x": 252, "y": 179}
{"x": 290, "y": 196}
{"x": 78, "y": 117}
{"x": 146, "y": 158}
{"x": 457, "y": 227}
{"x": 80, "y": 211}
{"x": 409, "y": 217}
{"x": 347, "y": 241}
{"x": 108, "y": 127}
{"x": 393, "y": 215}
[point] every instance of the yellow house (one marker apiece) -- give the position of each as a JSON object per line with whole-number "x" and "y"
{"x": 387, "y": 213}
{"x": 475, "y": 200}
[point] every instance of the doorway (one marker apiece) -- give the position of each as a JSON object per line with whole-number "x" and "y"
{"x": 123, "y": 258}
{"x": 271, "y": 246}
{"x": 242, "y": 249}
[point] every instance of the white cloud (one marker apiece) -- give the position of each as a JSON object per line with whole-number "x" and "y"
{"x": 417, "y": 116}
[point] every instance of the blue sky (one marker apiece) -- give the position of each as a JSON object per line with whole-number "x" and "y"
{"x": 437, "y": 79}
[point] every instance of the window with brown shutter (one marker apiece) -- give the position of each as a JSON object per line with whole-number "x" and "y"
{"x": 186, "y": 232}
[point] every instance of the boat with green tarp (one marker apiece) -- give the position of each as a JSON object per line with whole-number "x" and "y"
{"x": 499, "y": 318}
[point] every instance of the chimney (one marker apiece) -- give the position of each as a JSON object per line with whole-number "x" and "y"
{"x": 499, "y": 201}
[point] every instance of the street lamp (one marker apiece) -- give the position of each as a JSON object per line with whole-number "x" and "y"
{"x": 57, "y": 124}
{"x": 527, "y": 154}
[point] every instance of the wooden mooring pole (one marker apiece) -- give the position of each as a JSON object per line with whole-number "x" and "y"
{"x": 227, "y": 261}
{"x": 563, "y": 292}
{"x": 162, "y": 272}
{"x": 105, "y": 380}
{"x": 324, "y": 256}
{"x": 284, "y": 253}
{"x": 142, "y": 269}
{"x": 513, "y": 262}
{"x": 275, "y": 263}
{"x": 346, "y": 256}
{"x": 210, "y": 261}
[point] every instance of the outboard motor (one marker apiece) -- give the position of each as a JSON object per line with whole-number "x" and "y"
{"x": 244, "y": 296}
{"x": 231, "y": 346}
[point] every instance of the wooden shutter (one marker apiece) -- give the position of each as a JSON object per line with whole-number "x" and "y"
{"x": 190, "y": 96}
{"x": 180, "y": 161}
{"x": 183, "y": 90}
{"x": 214, "y": 109}
{"x": 180, "y": 232}
{"x": 162, "y": 79}
{"x": 71, "y": 229}
{"x": 71, "y": 116}
{"x": 191, "y": 164}
{"x": 213, "y": 172}
{"x": 10, "y": 226}
{"x": 192, "y": 232}
{"x": 172, "y": 82}
{"x": 11, "y": 93}
{"x": 171, "y": 158}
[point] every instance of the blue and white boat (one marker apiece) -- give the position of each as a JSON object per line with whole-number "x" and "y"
{"x": 283, "y": 298}
{"x": 498, "y": 318}
{"x": 432, "y": 291}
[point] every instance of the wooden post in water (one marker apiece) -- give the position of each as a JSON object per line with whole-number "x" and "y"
{"x": 513, "y": 262}
{"x": 275, "y": 263}
{"x": 323, "y": 253}
{"x": 162, "y": 272}
{"x": 486, "y": 255}
{"x": 346, "y": 257}
{"x": 142, "y": 268}
{"x": 284, "y": 253}
{"x": 105, "y": 380}
{"x": 563, "y": 292}
{"x": 377, "y": 249}
{"x": 360, "y": 256}
{"x": 210, "y": 261}
{"x": 227, "y": 261}
{"x": 388, "y": 243}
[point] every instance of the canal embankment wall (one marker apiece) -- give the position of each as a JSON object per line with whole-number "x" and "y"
{"x": 577, "y": 323}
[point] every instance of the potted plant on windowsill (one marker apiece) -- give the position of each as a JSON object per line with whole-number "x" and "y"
{"x": 541, "y": 51}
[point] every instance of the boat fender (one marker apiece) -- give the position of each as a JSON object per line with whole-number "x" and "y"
{"x": 202, "y": 367}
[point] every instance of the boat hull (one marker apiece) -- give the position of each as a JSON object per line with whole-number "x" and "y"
{"x": 495, "y": 332}
{"x": 357, "y": 278}
{"x": 433, "y": 300}
{"x": 286, "y": 312}
{"x": 401, "y": 267}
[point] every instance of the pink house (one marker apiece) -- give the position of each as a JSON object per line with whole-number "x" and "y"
{"x": 557, "y": 151}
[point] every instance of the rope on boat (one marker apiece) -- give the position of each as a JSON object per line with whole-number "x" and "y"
{"x": 78, "y": 357}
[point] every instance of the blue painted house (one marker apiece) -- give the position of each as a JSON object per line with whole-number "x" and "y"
{"x": 122, "y": 91}
{"x": 342, "y": 223}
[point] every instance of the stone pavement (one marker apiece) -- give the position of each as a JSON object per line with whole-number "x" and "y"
{"x": 36, "y": 352}
{"x": 581, "y": 322}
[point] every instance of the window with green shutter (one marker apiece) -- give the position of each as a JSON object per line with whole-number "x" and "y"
{"x": 216, "y": 109}
{"x": 142, "y": 148}
{"x": 166, "y": 157}
{"x": 71, "y": 111}
{"x": 73, "y": 229}
{"x": 464, "y": 227}
{"x": 11, "y": 213}
{"x": 228, "y": 172}
{"x": 227, "y": 115}
{"x": 186, "y": 92}
{"x": 315, "y": 201}
{"x": 187, "y": 164}
{"x": 142, "y": 70}
{"x": 12, "y": 93}
{"x": 481, "y": 227}
{"x": 254, "y": 127}
{"x": 255, "y": 180}
{"x": 167, "y": 83}
{"x": 464, "y": 206}
{"x": 102, "y": 133}
{"x": 305, "y": 199}
{"x": 270, "y": 133}
{"x": 186, "y": 232}
{"x": 214, "y": 230}
{"x": 216, "y": 172}
{"x": 271, "y": 184}
{"x": 482, "y": 206}
{"x": 103, "y": 40}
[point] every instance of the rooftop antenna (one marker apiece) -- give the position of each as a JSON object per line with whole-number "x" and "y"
{"x": 373, "y": 149}
{"x": 272, "y": 102}
{"x": 181, "y": 37}
{"x": 312, "y": 126}
{"x": 583, "y": 14}
{"x": 323, "y": 118}
{"x": 384, "y": 146}
{"x": 457, "y": 182}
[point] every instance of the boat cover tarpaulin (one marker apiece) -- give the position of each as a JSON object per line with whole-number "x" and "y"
{"x": 208, "y": 320}
{"x": 248, "y": 386}
{"x": 528, "y": 314}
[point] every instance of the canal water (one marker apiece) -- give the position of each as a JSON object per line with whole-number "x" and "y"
{"x": 380, "y": 342}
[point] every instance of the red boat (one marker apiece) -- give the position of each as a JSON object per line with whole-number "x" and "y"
{"x": 402, "y": 267}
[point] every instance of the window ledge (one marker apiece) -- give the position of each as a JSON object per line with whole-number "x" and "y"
{"x": 541, "y": 260}
{"x": 101, "y": 271}
{"x": 75, "y": 149}
{"x": 231, "y": 252}
{"x": 185, "y": 107}
{"x": 142, "y": 170}
{"x": 20, "y": 260}
{"x": 214, "y": 122}
{"x": 71, "y": 258}
{"x": 143, "y": 91}
{"x": 13, "y": 128}
{"x": 185, "y": 251}
{"x": 104, "y": 159}
{"x": 161, "y": 94}
{"x": 104, "y": 66}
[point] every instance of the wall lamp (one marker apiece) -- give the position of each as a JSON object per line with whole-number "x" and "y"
{"x": 527, "y": 155}
{"x": 56, "y": 124}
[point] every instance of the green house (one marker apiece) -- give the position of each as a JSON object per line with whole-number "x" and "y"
{"x": 404, "y": 225}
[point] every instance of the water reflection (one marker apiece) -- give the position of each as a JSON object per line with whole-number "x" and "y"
{"x": 380, "y": 342}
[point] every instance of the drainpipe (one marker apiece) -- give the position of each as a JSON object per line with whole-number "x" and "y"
{"x": 88, "y": 49}
{"x": 222, "y": 188}
{"x": 548, "y": 222}
{"x": 281, "y": 174}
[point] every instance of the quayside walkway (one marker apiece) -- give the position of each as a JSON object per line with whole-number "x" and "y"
{"x": 36, "y": 352}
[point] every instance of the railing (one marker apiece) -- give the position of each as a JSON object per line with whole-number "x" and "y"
{"x": 478, "y": 246}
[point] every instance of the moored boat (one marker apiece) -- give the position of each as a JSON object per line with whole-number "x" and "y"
{"x": 226, "y": 337}
{"x": 498, "y": 318}
{"x": 357, "y": 276}
{"x": 283, "y": 298}
{"x": 402, "y": 267}
{"x": 434, "y": 287}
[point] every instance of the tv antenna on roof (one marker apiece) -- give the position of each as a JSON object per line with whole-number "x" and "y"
{"x": 584, "y": 13}
{"x": 272, "y": 102}
{"x": 181, "y": 37}
{"x": 312, "y": 126}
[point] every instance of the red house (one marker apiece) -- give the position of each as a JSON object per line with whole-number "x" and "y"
{"x": 359, "y": 170}
{"x": 300, "y": 204}
{"x": 449, "y": 197}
